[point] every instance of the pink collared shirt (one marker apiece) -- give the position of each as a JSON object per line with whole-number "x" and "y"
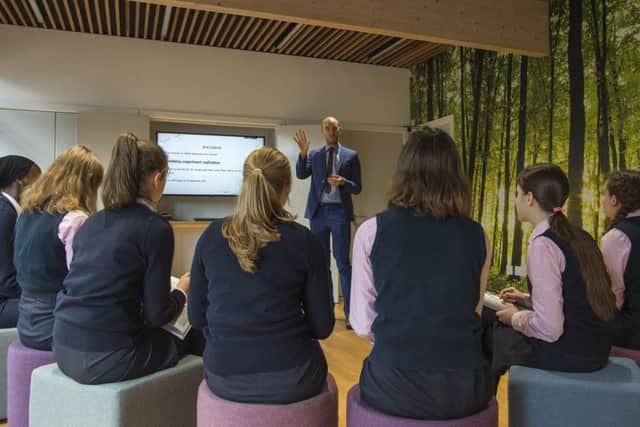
{"x": 616, "y": 247}
{"x": 545, "y": 265}
{"x": 69, "y": 226}
{"x": 362, "y": 311}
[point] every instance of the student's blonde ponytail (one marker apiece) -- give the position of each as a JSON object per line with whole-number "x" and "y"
{"x": 259, "y": 211}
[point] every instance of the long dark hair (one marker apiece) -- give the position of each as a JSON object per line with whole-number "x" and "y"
{"x": 132, "y": 159}
{"x": 429, "y": 176}
{"x": 625, "y": 185}
{"x": 550, "y": 187}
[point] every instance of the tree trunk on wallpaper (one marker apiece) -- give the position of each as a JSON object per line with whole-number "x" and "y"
{"x": 612, "y": 145}
{"x": 620, "y": 109}
{"x": 504, "y": 247}
{"x": 416, "y": 99}
{"x": 598, "y": 26}
{"x": 496, "y": 208}
{"x": 555, "y": 11}
{"x": 423, "y": 93}
{"x": 492, "y": 78}
{"x": 463, "y": 121}
{"x": 497, "y": 180}
{"x": 440, "y": 63}
{"x": 430, "y": 89}
{"x": 552, "y": 104}
{"x": 477, "y": 68}
{"x": 577, "y": 114}
{"x": 516, "y": 254}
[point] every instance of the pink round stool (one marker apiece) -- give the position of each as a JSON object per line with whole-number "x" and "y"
{"x": 318, "y": 411}
{"x": 361, "y": 415}
{"x": 21, "y": 361}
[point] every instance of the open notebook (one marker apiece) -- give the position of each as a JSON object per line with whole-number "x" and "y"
{"x": 493, "y": 302}
{"x": 180, "y": 326}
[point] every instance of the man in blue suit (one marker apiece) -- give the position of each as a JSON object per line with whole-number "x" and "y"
{"x": 335, "y": 176}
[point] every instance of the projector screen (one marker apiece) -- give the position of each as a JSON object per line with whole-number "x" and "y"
{"x": 206, "y": 165}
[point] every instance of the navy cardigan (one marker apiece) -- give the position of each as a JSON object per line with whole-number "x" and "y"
{"x": 262, "y": 322}
{"x": 118, "y": 282}
{"x": 8, "y": 284}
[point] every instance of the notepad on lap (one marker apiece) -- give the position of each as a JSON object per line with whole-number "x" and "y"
{"x": 180, "y": 327}
{"x": 493, "y": 302}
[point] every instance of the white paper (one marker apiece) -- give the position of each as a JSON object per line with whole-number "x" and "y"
{"x": 180, "y": 327}
{"x": 493, "y": 302}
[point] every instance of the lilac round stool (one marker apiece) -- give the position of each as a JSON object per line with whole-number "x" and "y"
{"x": 21, "y": 361}
{"x": 626, "y": 352}
{"x": 360, "y": 415}
{"x": 318, "y": 411}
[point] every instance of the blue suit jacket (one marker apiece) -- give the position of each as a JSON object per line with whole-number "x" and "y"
{"x": 315, "y": 165}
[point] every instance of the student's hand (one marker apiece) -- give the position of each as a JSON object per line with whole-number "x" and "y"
{"x": 505, "y": 315}
{"x": 302, "y": 141}
{"x": 336, "y": 180}
{"x": 184, "y": 282}
{"x": 513, "y": 296}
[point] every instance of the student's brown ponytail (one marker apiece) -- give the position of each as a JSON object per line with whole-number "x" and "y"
{"x": 132, "y": 159}
{"x": 550, "y": 187}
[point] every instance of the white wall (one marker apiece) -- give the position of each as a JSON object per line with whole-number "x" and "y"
{"x": 99, "y": 131}
{"x": 378, "y": 152}
{"x": 29, "y": 134}
{"x": 101, "y": 86}
{"x": 114, "y": 82}
{"x": 56, "y": 70}
{"x": 38, "y": 135}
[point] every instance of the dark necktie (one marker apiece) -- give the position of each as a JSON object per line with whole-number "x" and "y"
{"x": 327, "y": 187}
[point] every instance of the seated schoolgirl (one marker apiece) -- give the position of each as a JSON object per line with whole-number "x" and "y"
{"x": 261, "y": 292}
{"x": 16, "y": 174}
{"x": 562, "y": 324}
{"x": 419, "y": 273}
{"x": 621, "y": 251}
{"x": 117, "y": 294}
{"x": 54, "y": 209}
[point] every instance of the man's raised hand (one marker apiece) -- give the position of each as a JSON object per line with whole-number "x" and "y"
{"x": 302, "y": 141}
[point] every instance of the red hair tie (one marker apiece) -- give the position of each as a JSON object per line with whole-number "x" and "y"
{"x": 557, "y": 209}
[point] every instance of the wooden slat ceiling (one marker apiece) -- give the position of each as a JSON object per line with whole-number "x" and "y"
{"x": 126, "y": 18}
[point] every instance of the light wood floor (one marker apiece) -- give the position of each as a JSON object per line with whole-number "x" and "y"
{"x": 345, "y": 352}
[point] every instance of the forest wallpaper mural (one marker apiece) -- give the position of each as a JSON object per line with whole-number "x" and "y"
{"x": 577, "y": 107}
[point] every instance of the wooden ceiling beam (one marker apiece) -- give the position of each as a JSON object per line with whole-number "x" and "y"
{"x": 515, "y": 26}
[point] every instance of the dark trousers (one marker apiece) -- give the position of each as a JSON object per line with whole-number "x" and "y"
{"x": 625, "y": 331}
{"x": 35, "y": 323}
{"x": 275, "y": 387}
{"x": 9, "y": 313}
{"x": 496, "y": 341}
{"x": 331, "y": 221}
{"x": 155, "y": 349}
{"x": 425, "y": 394}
